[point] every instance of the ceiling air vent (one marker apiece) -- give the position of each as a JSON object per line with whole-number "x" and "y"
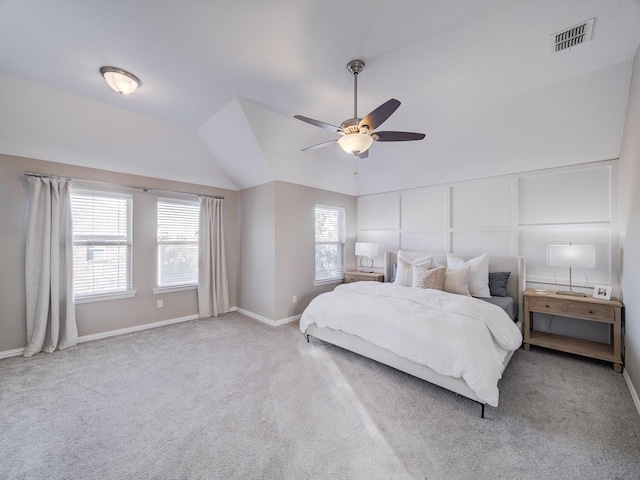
{"x": 572, "y": 36}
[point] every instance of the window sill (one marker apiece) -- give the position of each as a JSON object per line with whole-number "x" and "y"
{"x": 318, "y": 283}
{"x": 177, "y": 288}
{"x": 104, "y": 297}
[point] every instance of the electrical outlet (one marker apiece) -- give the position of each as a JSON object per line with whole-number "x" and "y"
{"x": 159, "y": 303}
{"x": 295, "y": 299}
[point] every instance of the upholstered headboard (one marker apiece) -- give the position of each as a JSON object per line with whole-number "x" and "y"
{"x": 497, "y": 263}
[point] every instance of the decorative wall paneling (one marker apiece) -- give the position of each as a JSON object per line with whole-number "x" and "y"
{"x": 515, "y": 214}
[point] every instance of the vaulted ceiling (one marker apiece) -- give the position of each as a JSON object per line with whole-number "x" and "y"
{"x": 223, "y": 79}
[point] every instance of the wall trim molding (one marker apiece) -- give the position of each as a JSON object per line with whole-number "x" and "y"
{"x": 268, "y": 321}
{"x": 632, "y": 389}
{"x": 111, "y": 333}
{"x": 16, "y": 352}
{"x": 136, "y": 328}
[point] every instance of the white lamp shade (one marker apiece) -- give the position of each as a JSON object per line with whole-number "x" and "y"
{"x": 366, "y": 249}
{"x": 581, "y": 256}
{"x": 355, "y": 143}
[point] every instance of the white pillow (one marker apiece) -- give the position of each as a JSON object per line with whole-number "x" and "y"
{"x": 479, "y": 275}
{"x": 457, "y": 281}
{"x": 404, "y": 271}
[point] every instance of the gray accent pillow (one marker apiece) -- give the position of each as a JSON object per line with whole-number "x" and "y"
{"x": 498, "y": 283}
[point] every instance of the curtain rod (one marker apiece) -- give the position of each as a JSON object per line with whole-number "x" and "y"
{"x": 144, "y": 189}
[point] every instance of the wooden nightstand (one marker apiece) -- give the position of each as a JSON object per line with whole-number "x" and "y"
{"x": 355, "y": 276}
{"x": 584, "y": 308}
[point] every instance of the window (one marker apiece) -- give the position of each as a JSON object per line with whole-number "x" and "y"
{"x": 101, "y": 243}
{"x": 330, "y": 226}
{"x": 177, "y": 242}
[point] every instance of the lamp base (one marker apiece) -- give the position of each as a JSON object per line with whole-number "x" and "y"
{"x": 567, "y": 292}
{"x": 570, "y": 291}
{"x": 366, "y": 268}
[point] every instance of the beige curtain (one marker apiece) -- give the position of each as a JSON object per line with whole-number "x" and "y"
{"x": 213, "y": 289}
{"x": 51, "y": 319}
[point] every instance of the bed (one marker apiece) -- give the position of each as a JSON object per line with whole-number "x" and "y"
{"x": 367, "y": 317}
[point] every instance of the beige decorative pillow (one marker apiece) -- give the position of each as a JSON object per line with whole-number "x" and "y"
{"x": 404, "y": 272}
{"x": 428, "y": 278}
{"x": 479, "y": 275}
{"x": 457, "y": 281}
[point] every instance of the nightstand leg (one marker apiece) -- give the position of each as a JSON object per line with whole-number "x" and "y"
{"x": 617, "y": 368}
{"x": 527, "y": 347}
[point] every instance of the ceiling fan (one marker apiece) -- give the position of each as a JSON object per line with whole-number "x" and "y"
{"x": 357, "y": 134}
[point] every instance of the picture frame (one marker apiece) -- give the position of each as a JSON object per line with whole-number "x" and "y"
{"x": 602, "y": 291}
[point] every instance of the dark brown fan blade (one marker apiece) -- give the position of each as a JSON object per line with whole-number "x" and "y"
{"x": 396, "y": 136}
{"x": 318, "y": 123}
{"x": 380, "y": 114}
{"x": 319, "y": 145}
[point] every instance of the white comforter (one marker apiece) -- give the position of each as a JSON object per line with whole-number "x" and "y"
{"x": 454, "y": 335}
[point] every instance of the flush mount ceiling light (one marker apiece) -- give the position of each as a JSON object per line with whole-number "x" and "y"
{"x": 120, "y": 80}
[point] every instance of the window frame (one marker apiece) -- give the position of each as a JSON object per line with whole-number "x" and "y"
{"x": 128, "y": 292}
{"x": 176, "y": 287}
{"x": 340, "y": 242}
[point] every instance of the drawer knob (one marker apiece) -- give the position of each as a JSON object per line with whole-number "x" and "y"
{"x": 590, "y": 311}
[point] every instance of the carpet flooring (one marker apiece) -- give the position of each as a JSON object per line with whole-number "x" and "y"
{"x": 231, "y": 398}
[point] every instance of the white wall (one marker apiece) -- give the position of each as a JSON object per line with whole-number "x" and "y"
{"x": 565, "y": 123}
{"x": 48, "y": 124}
{"x": 256, "y": 145}
{"x": 516, "y": 214}
{"x": 630, "y": 230}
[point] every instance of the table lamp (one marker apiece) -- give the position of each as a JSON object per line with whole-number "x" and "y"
{"x": 366, "y": 250}
{"x": 571, "y": 256}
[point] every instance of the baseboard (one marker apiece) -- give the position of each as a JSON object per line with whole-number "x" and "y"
{"x": 632, "y": 390}
{"x": 268, "y": 321}
{"x": 111, "y": 333}
{"x": 137, "y": 328}
{"x": 16, "y": 352}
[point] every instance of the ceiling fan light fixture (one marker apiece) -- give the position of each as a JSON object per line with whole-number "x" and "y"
{"x": 120, "y": 80}
{"x": 355, "y": 143}
{"x": 358, "y": 134}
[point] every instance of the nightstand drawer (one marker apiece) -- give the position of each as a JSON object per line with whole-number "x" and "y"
{"x": 600, "y": 313}
{"x": 545, "y": 305}
{"x": 362, "y": 277}
{"x": 351, "y": 278}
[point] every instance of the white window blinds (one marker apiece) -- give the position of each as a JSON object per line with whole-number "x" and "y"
{"x": 101, "y": 242}
{"x": 177, "y": 242}
{"x": 330, "y": 239}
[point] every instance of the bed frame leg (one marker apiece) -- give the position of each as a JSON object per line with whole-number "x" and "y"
{"x": 307, "y": 338}
{"x": 482, "y": 405}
